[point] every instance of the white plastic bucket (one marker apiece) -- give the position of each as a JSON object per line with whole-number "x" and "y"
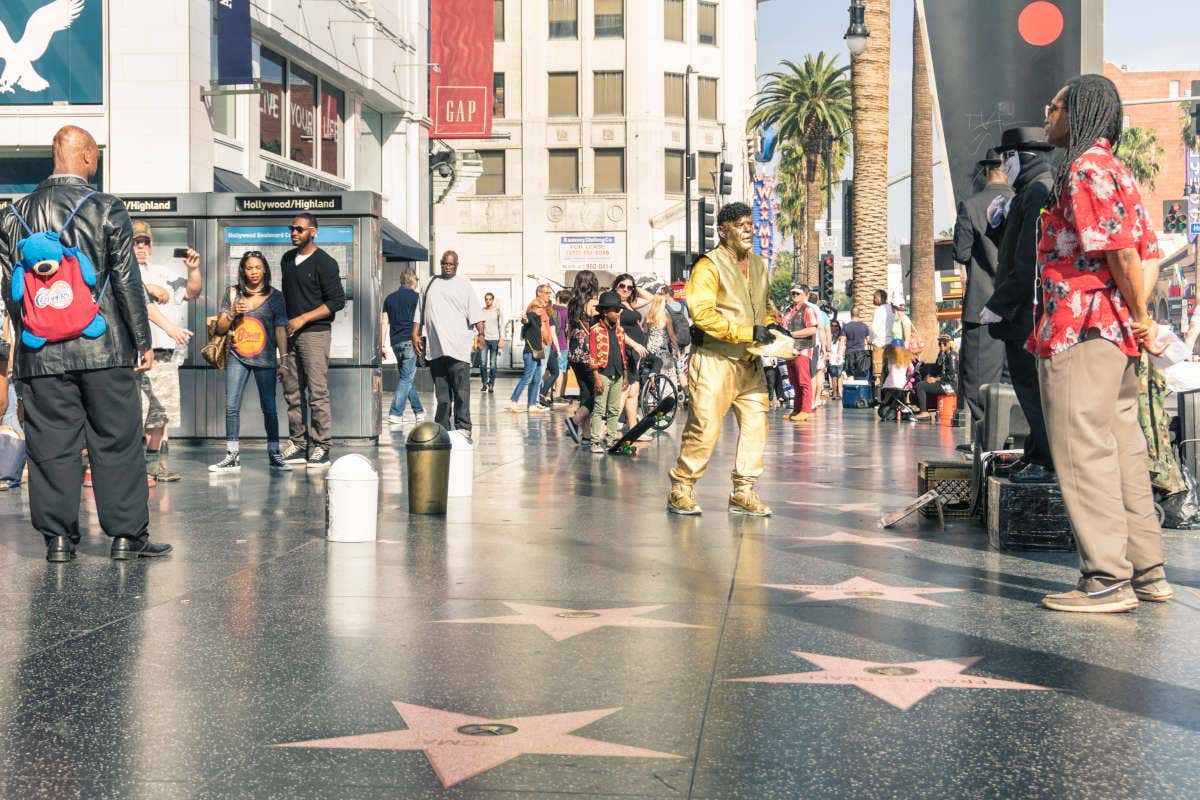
{"x": 351, "y": 500}
{"x": 462, "y": 466}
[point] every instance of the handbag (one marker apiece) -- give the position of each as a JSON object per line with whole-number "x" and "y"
{"x": 216, "y": 352}
{"x": 531, "y": 332}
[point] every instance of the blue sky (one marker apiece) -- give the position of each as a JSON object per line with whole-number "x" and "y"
{"x": 1137, "y": 33}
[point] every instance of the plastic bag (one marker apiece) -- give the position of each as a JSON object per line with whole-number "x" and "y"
{"x": 1181, "y": 511}
{"x": 1183, "y": 376}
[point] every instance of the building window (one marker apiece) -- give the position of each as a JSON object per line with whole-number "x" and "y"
{"x": 222, "y": 110}
{"x": 564, "y": 19}
{"x": 498, "y": 19}
{"x": 706, "y": 23}
{"x": 368, "y": 166}
{"x": 706, "y": 90}
{"x": 270, "y": 102}
{"x": 708, "y": 165}
{"x": 564, "y": 172}
{"x": 333, "y": 123}
{"x": 610, "y": 170}
{"x": 673, "y": 94}
{"x": 609, "y": 91}
{"x": 492, "y": 179}
{"x": 498, "y": 95}
{"x": 610, "y": 19}
{"x": 1173, "y": 89}
{"x": 302, "y": 116}
{"x": 673, "y": 20}
{"x": 564, "y": 94}
{"x": 674, "y": 172}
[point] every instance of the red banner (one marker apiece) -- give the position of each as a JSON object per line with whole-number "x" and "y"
{"x": 460, "y": 95}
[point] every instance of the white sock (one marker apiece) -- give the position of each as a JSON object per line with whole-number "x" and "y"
{"x": 231, "y": 447}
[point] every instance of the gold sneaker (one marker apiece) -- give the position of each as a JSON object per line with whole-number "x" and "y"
{"x": 803, "y": 416}
{"x": 682, "y": 500}
{"x": 746, "y": 501}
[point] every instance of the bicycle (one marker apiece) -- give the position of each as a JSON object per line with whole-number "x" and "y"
{"x": 656, "y": 386}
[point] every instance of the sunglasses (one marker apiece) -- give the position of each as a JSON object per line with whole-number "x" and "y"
{"x": 626, "y": 286}
{"x": 142, "y": 241}
{"x": 796, "y": 294}
{"x": 299, "y": 228}
{"x": 253, "y": 254}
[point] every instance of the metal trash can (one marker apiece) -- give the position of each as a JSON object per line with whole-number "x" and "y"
{"x": 428, "y": 449}
{"x": 351, "y": 500}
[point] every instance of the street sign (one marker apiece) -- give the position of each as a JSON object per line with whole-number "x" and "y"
{"x": 1195, "y": 231}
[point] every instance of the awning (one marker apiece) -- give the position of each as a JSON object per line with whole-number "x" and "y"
{"x": 399, "y": 246}
{"x": 226, "y": 181}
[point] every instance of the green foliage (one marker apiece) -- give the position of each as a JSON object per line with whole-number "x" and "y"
{"x": 1142, "y": 153}
{"x": 1189, "y": 126}
{"x": 840, "y": 301}
{"x": 781, "y": 282}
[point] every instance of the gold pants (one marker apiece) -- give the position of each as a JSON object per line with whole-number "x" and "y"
{"x": 717, "y": 384}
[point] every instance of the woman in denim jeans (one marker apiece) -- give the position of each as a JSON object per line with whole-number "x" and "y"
{"x": 539, "y": 339}
{"x": 255, "y": 313}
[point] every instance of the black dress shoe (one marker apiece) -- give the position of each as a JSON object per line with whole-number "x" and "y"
{"x": 126, "y": 549}
{"x": 965, "y": 447}
{"x": 59, "y": 550}
{"x": 1033, "y": 473}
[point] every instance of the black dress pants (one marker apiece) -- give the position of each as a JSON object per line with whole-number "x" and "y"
{"x": 1022, "y": 367}
{"x": 981, "y": 362}
{"x": 99, "y": 409}
{"x": 452, "y": 388}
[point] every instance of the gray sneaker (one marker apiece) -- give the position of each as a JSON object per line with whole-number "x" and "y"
{"x": 1115, "y": 598}
{"x": 293, "y": 454}
{"x": 1154, "y": 592}
{"x": 599, "y": 448}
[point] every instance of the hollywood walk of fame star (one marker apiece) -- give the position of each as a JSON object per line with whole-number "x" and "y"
{"x": 850, "y": 508}
{"x": 842, "y": 537}
{"x": 902, "y": 685}
{"x": 860, "y": 588}
{"x": 460, "y": 746}
{"x": 563, "y": 623}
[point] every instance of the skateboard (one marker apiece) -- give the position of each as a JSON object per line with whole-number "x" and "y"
{"x": 625, "y": 445}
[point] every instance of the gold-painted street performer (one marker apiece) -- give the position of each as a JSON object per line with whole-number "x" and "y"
{"x": 731, "y": 310}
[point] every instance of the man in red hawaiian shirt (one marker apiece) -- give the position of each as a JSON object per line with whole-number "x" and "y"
{"x": 1093, "y": 321}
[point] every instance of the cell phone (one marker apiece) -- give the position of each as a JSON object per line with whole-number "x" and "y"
{"x": 180, "y": 252}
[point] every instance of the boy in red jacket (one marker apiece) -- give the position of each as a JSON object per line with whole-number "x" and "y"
{"x": 606, "y": 346}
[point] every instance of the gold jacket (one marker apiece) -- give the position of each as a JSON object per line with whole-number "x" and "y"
{"x": 727, "y": 305}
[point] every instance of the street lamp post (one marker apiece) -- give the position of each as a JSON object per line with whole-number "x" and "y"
{"x": 857, "y": 34}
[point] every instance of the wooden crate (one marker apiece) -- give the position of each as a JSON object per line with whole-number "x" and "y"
{"x": 1027, "y": 516}
{"x": 952, "y": 480}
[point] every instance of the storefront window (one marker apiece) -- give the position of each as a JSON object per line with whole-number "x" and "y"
{"x": 369, "y": 164}
{"x": 221, "y": 108}
{"x": 21, "y": 174}
{"x": 270, "y": 102}
{"x": 333, "y": 120}
{"x": 302, "y": 116}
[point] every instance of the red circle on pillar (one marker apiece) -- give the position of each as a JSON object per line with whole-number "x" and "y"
{"x": 1040, "y": 23}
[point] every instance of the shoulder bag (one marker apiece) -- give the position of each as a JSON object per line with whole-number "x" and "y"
{"x": 216, "y": 352}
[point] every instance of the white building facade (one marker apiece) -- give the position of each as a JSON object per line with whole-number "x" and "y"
{"x": 341, "y": 106}
{"x": 585, "y": 167}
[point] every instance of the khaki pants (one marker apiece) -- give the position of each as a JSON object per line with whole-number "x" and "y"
{"x": 1090, "y": 401}
{"x": 306, "y": 369}
{"x": 718, "y": 384}
{"x": 606, "y": 413}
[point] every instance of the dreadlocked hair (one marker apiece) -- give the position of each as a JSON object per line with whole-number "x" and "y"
{"x": 1093, "y": 106}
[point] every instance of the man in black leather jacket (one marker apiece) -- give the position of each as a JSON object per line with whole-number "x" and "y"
{"x": 83, "y": 392}
{"x": 1009, "y": 312}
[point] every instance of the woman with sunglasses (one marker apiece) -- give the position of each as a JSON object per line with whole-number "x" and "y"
{"x": 802, "y": 321}
{"x": 256, "y": 315}
{"x": 633, "y": 298}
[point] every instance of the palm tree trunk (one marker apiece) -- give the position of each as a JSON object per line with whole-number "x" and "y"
{"x": 924, "y": 308}
{"x": 869, "y": 84}
{"x": 812, "y": 212}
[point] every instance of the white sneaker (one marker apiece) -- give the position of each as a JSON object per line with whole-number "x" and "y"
{"x": 394, "y": 420}
{"x": 538, "y": 410}
{"x": 419, "y": 417}
{"x": 517, "y": 408}
{"x": 230, "y": 463}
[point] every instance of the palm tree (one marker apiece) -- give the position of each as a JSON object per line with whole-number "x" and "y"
{"x": 1142, "y": 153}
{"x": 1189, "y": 126}
{"x": 807, "y": 103}
{"x": 924, "y": 306}
{"x": 789, "y": 187}
{"x": 869, "y": 78}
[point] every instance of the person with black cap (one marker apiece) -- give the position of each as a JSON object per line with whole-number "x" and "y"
{"x": 975, "y": 248}
{"x": 1009, "y": 312}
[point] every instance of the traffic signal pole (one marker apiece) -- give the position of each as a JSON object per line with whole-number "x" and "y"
{"x": 687, "y": 167}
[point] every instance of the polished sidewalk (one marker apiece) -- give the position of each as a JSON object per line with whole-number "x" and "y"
{"x": 559, "y": 635}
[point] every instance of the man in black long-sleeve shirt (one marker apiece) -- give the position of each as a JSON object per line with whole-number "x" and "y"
{"x": 313, "y": 294}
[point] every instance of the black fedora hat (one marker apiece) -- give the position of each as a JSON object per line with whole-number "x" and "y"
{"x": 1024, "y": 138}
{"x": 991, "y": 159}
{"x": 608, "y": 300}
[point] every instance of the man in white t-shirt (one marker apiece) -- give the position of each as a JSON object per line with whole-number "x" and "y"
{"x": 169, "y": 287}
{"x": 881, "y": 332}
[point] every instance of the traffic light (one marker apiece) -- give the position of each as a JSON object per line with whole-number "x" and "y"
{"x": 1175, "y": 216}
{"x": 707, "y": 220}
{"x": 826, "y": 274}
{"x": 848, "y": 219}
{"x": 726, "y": 185}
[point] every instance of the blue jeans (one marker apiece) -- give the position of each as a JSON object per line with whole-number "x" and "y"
{"x": 491, "y": 355}
{"x": 236, "y": 376}
{"x": 531, "y": 377}
{"x": 10, "y": 416}
{"x": 406, "y": 391}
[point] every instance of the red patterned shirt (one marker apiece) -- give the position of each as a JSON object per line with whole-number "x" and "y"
{"x": 1100, "y": 210}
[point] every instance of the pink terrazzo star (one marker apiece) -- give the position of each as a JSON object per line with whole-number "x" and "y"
{"x": 842, "y": 537}
{"x": 563, "y": 623}
{"x": 902, "y": 685}
{"x": 857, "y": 588}
{"x": 459, "y": 746}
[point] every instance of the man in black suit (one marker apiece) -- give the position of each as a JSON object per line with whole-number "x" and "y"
{"x": 1009, "y": 312}
{"x": 975, "y": 247}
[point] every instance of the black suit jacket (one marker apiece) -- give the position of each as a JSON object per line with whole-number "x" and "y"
{"x": 1016, "y": 268}
{"x": 977, "y": 247}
